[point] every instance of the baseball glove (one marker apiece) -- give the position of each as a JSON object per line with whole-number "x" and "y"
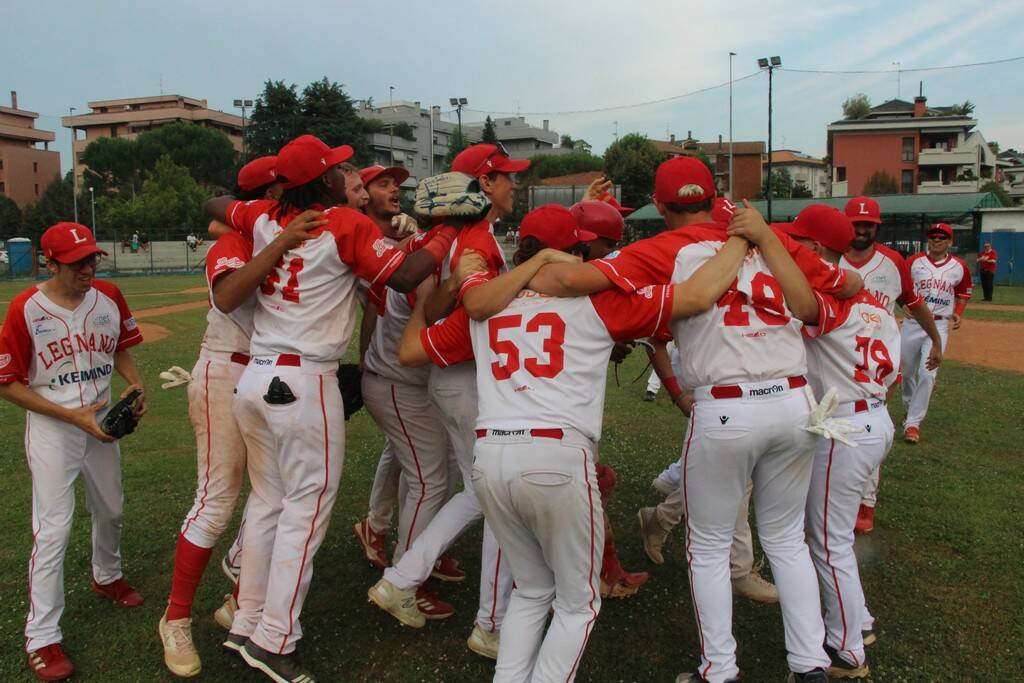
{"x": 120, "y": 420}
{"x": 350, "y": 382}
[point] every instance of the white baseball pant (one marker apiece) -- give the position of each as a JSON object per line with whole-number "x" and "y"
{"x": 728, "y": 443}
{"x": 453, "y": 391}
{"x": 384, "y": 493}
{"x": 669, "y": 514}
{"x": 220, "y": 449}
{"x": 57, "y": 453}
{"x": 541, "y": 498}
{"x": 836, "y": 484}
{"x": 918, "y": 381}
{"x": 296, "y": 452}
{"x": 410, "y": 421}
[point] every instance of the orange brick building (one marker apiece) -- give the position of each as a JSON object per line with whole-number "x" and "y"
{"x": 746, "y": 164}
{"x": 25, "y": 169}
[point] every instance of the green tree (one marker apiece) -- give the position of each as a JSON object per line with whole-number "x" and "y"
{"x": 782, "y": 185}
{"x": 276, "y": 118}
{"x": 964, "y": 109}
{"x": 168, "y": 204}
{"x": 10, "y": 218}
{"x": 631, "y": 162}
{"x": 55, "y": 204}
{"x": 112, "y": 163}
{"x": 801, "y": 191}
{"x": 857, "y": 107}
{"x": 879, "y": 183}
{"x": 999, "y": 191}
{"x": 207, "y": 153}
{"x": 551, "y": 165}
{"x": 490, "y": 136}
{"x": 456, "y": 143}
{"x": 328, "y": 113}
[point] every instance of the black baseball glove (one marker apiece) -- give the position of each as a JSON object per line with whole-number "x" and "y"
{"x": 350, "y": 382}
{"x": 121, "y": 420}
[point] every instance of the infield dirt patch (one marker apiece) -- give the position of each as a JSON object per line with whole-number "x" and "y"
{"x": 992, "y": 343}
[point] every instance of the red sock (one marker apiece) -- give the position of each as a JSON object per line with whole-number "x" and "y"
{"x": 189, "y": 564}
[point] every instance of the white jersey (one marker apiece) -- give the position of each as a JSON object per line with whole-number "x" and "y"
{"x": 66, "y": 356}
{"x": 940, "y": 283}
{"x": 855, "y": 347}
{"x": 306, "y": 306}
{"x": 382, "y": 354}
{"x": 750, "y": 335}
{"x": 228, "y": 332}
{"x": 542, "y": 362}
{"x": 885, "y": 276}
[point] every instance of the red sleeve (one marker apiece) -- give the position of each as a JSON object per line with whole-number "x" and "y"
{"x": 364, "y": 248}
{"x": 448, "y": 342}
{"x": 832, "y": 313}
{"x": 822, "y": 276}
{"x": 909, "y": 296}
{"x": 229, "y": 253}
{"x": 242, "y": 216}
{"x": 649, "y": 261}
{"x": 130, "y": 334}
{"x": 645, "y": 313}
{"x": 480, "y": 240}
{"x": 964, "y": 287}
{"x": 15, "y": 342}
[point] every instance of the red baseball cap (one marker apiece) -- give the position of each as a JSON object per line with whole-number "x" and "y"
{"x": 371, "y": 173}
{"x": 306, "y": 158}
{"x": 610, "y": 199}
{"x": 723, "y": 210}
{"x": 863, "y": 210}
{"x": 824, "y": 224}
{"x": 68, "y": 242}
{"x": 944, "y": 228}
{"x": 257, "y": 173}
{"x": 555, "y": 226}
{"x": 599, "y": 218}
{"x": 479, "y": 160}
{"x": 683, "y": 180}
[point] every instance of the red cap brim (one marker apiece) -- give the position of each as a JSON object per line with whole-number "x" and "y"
{"x": 512, "y": 165}
{"x": 340, "y": 154}
{"x": 79, "y": 253}
{"x": 864, "y": 219}
{"x": 587, "y": 236}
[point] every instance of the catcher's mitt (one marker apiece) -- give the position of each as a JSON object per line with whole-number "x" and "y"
{"x": 120, "y": 420}
{"x": 451, "y": 194}
{"x": 350, "y": 382}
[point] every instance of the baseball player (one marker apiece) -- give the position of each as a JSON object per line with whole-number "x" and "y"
{"x": 943, "y": 281}
{"x": 453, "y": 391}
{"x": 746, "y": 368}
{"x": 541, "y": 378}
{"x": 61, "y": 342}
{"x": 288, "y": 406}
{"x": 887, "y": 278}
{"x": 852, "y": 349}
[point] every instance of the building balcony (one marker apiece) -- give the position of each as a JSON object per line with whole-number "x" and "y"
{"x": 957, "y": 156}
{"x": 840, "y": 189}
{"x": 939, "y": 187}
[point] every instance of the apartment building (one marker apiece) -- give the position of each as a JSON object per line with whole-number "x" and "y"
{"x": 522, "y": 140}
{"x": 25, "y": 167}
{"x": 431, "y": 138}
{"x": 802, "y": 168}
{"x": 746, "y": 165}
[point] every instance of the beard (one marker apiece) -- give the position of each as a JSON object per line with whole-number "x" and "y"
{"x": 862, "y": 243}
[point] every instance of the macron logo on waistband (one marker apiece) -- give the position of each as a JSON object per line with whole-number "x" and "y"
{"x": 767, "y": 391}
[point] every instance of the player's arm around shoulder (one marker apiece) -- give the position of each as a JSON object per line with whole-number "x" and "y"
{"x": 411, "y": 351}
{"x": 707, "y": 285}
{"x": 491, "y": 296}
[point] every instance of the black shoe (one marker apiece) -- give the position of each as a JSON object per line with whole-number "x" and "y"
{"x": 648, "y": 396}
{"x": 234, "y": 643}
{"x": 279, "y": 668}
{"x": 813, "y": 676}
{"x": 841, "y": 668}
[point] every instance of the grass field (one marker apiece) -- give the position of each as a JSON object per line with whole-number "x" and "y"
{"x": 943, "y": 570}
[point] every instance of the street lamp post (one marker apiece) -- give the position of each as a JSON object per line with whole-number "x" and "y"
{"x": 731, "y": 196}
{"x": 433, "y": 110}
{"x": 74, "y": 175}
{"x": 242, "y": 104}
{"x": 770, "y": 64}
{"x": 459, "y": 103}
{"x": 391, "y": 127}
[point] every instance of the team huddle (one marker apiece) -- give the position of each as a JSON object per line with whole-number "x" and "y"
{"x": 492, "y": 375}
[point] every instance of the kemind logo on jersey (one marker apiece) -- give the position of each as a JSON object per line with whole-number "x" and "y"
{"x": 65, "y": 378}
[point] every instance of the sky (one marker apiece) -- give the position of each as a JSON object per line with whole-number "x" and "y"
{"x": 543, "y": 60}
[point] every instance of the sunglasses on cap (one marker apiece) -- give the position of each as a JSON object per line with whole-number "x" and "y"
{"x": 499, "y": 149}
{"x": 938, "y": 236}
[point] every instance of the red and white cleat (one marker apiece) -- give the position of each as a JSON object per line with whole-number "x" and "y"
{"x": 118, "y": 592}
{"x": 432, "y": 607}
{"x": 865, "y": 520}
{"x": 912, "y": 434}
{"x": 49, "y": 663}
{"x": 447, "y": 570}
{"x": 372, "y": 544}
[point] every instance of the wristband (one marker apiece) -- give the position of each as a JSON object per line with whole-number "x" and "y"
{"x": 440, "y": 244}
{"x": 672, "y": 387}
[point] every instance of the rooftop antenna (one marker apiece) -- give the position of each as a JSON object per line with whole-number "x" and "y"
{"x": 616, "y": 129}
{"x": 161, "y": 84}
{"x": 920, "y": 88}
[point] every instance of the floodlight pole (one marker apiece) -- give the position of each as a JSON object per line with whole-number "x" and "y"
{"x": 74, "y": 174}
{"x": 770, "y": 65}
{"x": 731, "y": 196}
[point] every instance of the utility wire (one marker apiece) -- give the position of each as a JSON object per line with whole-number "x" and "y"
{"x": 900, "y": 70}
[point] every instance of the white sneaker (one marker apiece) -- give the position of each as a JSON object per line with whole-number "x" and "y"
{"x": 230, "y": 571}
{"x": 180, "y": 654}
{"x": 400, "y": 604}
{"x": 755, "y": 587}
{"x": 663, "y": 486}
{"x": 652, "y": 534}
{"x": 225, "y": 614}
{"x": 484, "y": 643}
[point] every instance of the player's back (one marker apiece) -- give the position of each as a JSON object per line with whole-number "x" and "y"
{"x": 228, "y": 332}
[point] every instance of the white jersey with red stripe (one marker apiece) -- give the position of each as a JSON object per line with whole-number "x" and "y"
{"x": 228, "y": 332}
{"x": 750, "y": 335}
{"x": 940, "y": 283}
{"x": 886, "y": 277}
{"x": 66, "y": 356}
{"x": 855, "y": 347}
{"x": 306, "y": 306}
{"x": 382, "y": 353}
{"x": 542, "y": 362}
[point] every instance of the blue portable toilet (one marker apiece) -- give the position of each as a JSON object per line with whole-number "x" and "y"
{"x": 19, "y": 253}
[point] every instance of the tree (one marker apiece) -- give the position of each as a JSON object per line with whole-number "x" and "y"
{"x": 631, "y": 162}
{"x": 782, "y": 185}
{"x": 965, "y": 109}
{"x": 490, "y": 136}
{"x": 456, "y": 143}
{"x": 168, "y": 203}
{"x": 999, "y": 191}
{"x": 994, "y": 146}
{"x": 276, "y": 118}
{"x": 801, "y": 191}
{"x": 328, "y": 113}
{"x": 10, "y": 218}
{"x": 55, "y": 204}
{"x": 879, "y": 183}
{"x": 551, "y": 165}
{"x": 857, "y": 107}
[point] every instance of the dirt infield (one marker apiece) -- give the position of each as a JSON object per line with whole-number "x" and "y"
{"x": 992, "y": 343}
{"x": 167, "y": 310}
{"x": 998, "y": 307}
{"x": 151, "y": 332}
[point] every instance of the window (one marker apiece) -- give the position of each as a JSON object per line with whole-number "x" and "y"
{"x": 840, "y": 174}
{"x": 37, "y": 189}
{"x": 908, "y": 149}
{"x": 907, "y": 182}
{"x": 1, "y": 164}
{"x": 113, "y": 131}
{"x": 35, "y": 167}
{"x": 3, "y": 187}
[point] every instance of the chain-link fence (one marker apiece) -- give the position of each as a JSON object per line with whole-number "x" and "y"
{"x": 177, "y": 256}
